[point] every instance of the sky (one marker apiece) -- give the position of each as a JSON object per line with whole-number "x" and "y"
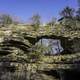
{"x": 24, "y": 9}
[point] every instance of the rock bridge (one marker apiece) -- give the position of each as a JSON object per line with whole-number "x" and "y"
{"x": 16, "y": 44}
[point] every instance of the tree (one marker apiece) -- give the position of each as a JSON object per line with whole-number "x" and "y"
{"x": 5, "y": 19}
{"x": 52, "y": 22}
{"x": 78, "y": 3}
{"x": 35, "y": 20}
{"x": 78, "y": 14}
{"x": 67, "y": 12}
{"x": 68, "y": 18}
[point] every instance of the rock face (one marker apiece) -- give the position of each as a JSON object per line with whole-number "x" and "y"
{"x": 19, "y": 55}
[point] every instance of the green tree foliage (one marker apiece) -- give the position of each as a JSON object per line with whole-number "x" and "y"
{"x": 78, "y": 14}
{"x": 5, "y": 19}
{"x": 67, "y": 12}
{"x": 70, "y": 24}
{"x": 68, "y": 18}
{"x": 52, "y": 22}
{"x": 78, "y": 3}
{"x": 35, "y": 21}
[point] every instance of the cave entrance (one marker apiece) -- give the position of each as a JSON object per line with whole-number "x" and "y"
{"x": 52, "y": 46}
